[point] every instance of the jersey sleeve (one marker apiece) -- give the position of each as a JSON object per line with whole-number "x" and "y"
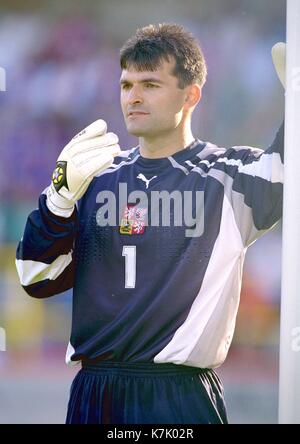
{"x": 253, "y": 184}
{"x": 44, "y": 258}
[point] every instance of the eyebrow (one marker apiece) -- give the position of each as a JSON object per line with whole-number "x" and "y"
{"x": 147, "y": 80}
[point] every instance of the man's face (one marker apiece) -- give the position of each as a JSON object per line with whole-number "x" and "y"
{"x": 151, "y": 101}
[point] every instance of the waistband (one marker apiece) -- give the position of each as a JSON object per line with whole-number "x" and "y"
{"x": 141, "y": 369}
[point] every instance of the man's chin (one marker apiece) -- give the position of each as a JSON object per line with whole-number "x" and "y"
{"x": 138, "y": 132}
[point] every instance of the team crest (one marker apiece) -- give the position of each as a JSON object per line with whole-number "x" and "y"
{"x": 133, "y": 220}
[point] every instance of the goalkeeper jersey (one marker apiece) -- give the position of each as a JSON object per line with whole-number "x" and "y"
{"x": 154, "y": 252}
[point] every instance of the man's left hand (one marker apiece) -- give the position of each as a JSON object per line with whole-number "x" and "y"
{"x": 279, "y": 58}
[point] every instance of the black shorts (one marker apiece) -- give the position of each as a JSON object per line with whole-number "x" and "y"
{"x": 130, "y": 393}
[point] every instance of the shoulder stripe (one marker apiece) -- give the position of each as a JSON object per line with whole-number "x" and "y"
{"x": 210, "y": 150}
{"x": 117, "y": 167}
{"x": 268, "y": 167}
{"x": 260, "y": 166}
{"x": 177, "y": 165}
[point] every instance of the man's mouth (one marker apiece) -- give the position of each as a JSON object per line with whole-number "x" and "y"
{"x": 137, "y": 113}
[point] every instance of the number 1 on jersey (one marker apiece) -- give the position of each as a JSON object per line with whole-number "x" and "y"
{"x": 129, "y": 251}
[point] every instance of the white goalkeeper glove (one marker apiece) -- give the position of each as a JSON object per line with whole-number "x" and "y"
{"x": 87, "y": 154}
{"x": 279, "y": 58}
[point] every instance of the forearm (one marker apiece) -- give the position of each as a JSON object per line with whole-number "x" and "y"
{"x": 44, "y": 255}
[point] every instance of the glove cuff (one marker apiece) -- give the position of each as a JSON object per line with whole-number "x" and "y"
{"x": 57, "y": 204}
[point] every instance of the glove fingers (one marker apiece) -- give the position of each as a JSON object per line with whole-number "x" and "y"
{"x": 97, "y": 128}
{"x": 97, "y": 163}
{"x": 93, "y": 143}
{"x": 87, "y": 156}
{"x": 89, "y": 152}
{"x": 104, "y": 166}
{"x": 114, "y": 149}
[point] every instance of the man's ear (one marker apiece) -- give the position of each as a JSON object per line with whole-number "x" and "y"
{"x": 193, "y": 95}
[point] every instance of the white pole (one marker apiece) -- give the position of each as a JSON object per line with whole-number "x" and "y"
{"x": 289, "y": 379}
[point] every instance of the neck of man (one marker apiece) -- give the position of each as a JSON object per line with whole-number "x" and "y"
{"x": 165, "y": 145}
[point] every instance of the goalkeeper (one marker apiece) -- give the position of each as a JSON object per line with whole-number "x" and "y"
{"x": 154, "y": 303}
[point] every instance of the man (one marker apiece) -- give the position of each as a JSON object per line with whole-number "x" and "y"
{"x": 154, "y": 246}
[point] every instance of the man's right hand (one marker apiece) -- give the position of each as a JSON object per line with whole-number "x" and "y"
{"x": 86, "y": 155}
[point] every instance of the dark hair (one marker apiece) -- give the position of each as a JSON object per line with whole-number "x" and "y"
{"x": 146, "y": 50}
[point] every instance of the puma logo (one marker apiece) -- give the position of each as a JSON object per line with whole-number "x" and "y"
{"x": 143, "y": 178}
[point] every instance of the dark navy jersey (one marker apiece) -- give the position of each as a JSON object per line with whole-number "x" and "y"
{"x": 154, "y": 252}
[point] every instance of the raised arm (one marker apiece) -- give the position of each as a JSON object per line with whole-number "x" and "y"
{"x": 45, "y": 262}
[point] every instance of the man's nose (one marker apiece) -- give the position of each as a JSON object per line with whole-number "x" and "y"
{"x": 135, "y": 95}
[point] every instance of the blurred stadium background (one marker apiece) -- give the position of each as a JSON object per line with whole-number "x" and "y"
{"x": 62, "y": 72}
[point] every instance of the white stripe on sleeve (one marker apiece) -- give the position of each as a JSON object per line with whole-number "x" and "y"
{"x": 31, "y": 272}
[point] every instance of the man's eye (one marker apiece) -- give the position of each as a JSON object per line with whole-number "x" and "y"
{"x": 150, "y": 85}
{"x": 125, "y": 86}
